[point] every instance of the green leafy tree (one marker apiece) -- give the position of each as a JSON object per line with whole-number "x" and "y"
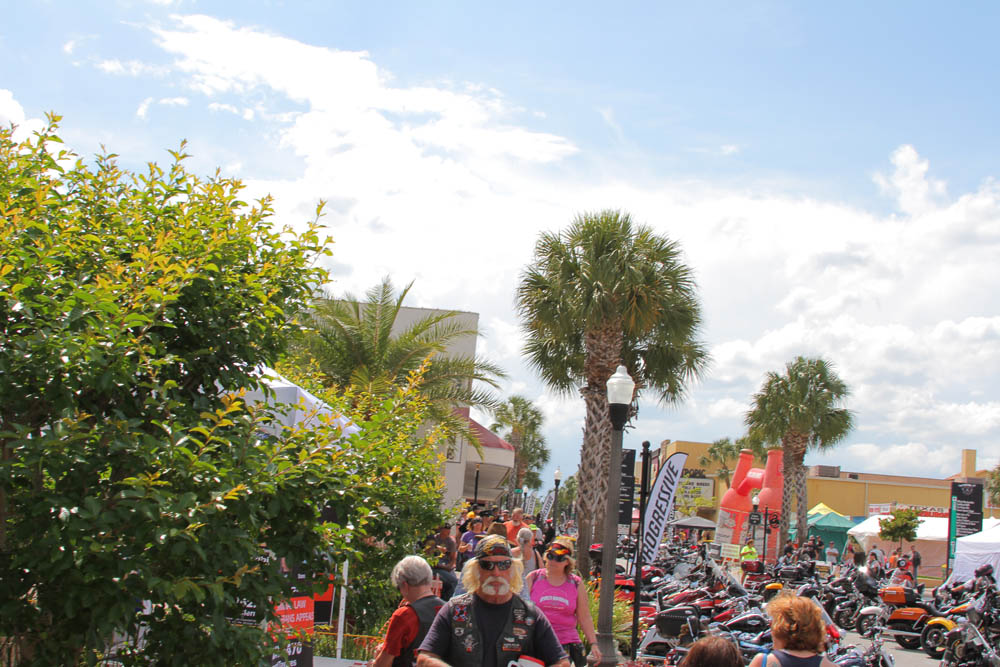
{"x": 134, "y": 310}
{"x": 359, "y": 344}
{"x": 993, "y": 485}
{"x": 901, "y": 526}
{"x": 520, "y": 423}
{"x": 567, "y": 495}
{"x": 723, "y": 452}
{"x": 606, "y": 292}
{"x": 395, "y": 459}
{"x": 797, "y": 411}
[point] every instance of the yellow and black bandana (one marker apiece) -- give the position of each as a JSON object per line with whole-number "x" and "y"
{"x": 493, "y": 545}
{"x": 559, "y": 550}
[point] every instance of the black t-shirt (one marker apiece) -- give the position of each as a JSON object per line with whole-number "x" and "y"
{"x": 491, "y": 619}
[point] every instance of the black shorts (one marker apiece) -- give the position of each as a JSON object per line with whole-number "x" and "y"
{"x": 576, "y": 654}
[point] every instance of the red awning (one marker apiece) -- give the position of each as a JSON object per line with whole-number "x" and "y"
{"x": 486, "y": 437}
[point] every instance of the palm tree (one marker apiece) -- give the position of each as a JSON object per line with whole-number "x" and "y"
{"x": 521, "y": 426}
{"x": 355, "y": 343}
{"x": 799, "y": 410}
{"x": 993, "y": 485}
{"x": 722, "y": 452}
{"x": 601, "y": 293}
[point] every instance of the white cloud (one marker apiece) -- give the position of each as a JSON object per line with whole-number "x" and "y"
{"x": 11, "y": 112}
{"x": 937, "y": 461}
{"x": 174, "y": 101}
{"x": 909, "y": 183}
{"x": 608, "y": 115}
{"x": 129, "y": 68}
{"x": 446, "y": 184}
{"x": 216, "y": 106}
{"x": 144, "y": 107}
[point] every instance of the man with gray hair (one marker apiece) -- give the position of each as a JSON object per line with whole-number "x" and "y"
{"x": 410, "y": 622}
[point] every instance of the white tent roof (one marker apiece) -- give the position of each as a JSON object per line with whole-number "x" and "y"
{"x": 307, "y": 407}
{"x": 977, "y": 549}
{"x": 931, "y": 528}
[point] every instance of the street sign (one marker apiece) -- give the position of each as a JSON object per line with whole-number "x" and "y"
{"x": 754, "y": 518}
{"x": 774, "y": 521}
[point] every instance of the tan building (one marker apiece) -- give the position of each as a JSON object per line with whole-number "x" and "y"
{"x": 467, "y": 473}
{"x": 855, "y": 494}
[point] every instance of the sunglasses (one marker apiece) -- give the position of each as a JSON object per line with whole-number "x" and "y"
{"x": 556, "y": 557}
{"x": 488, "y": 565}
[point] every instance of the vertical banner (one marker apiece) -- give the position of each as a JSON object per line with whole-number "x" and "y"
{"x": 547, "y": 506}
{"x": 626, "y": 494}
{"x": 966, "y": 515}
{"x": 529, "y": 505}
{"x": 661, "y": 501}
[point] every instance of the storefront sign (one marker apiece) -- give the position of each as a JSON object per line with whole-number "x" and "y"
{"x": 878, "y": 509}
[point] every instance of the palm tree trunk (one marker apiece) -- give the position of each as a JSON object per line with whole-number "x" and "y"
{"x": 592, "y": 489}
{"x": 603, "y": 354}
{"x": 787, "y": 492}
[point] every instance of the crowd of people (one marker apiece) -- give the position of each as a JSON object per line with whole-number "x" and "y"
{"x": 497, "y": 587}
{"x": 490, "y": 590}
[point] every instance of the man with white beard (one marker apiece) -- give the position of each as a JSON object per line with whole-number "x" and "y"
{"x": 490, "y": 626}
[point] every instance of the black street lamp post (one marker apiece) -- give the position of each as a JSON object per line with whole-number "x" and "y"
{"x": 555, "y": 501}
{"x": 620, "y": 388}
{"x": 475, "y": 491}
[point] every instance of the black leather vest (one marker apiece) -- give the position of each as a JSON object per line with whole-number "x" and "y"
{"x": 426, "y": 609}
{"x": 467, "y": 644}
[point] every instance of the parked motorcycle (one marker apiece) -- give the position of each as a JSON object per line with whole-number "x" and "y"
{"x": 976, "y": 641}
{"x": 901, "y": 612}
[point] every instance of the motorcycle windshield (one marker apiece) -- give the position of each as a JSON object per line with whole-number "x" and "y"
{"x": 731, "y": 583}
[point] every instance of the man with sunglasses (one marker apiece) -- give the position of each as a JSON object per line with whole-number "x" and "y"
{"x": 490, "y": 625}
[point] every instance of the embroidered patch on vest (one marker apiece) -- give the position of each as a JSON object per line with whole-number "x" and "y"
{"x": 520, "y": 632}
{"x": 469, "y": 643}
{"x": 510, "y": 644}
{"x": 518, "y": 615}
{"x": 460, "y": 613}
{"x": 459, "y": 632}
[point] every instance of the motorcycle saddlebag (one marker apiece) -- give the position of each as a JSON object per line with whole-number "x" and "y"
{"x": 674, "y": 622}
{"x": 898, "y": 595}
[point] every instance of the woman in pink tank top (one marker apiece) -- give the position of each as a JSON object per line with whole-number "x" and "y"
{"x": 562, "y": 597}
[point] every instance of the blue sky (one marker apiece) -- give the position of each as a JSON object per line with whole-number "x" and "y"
{"x": 829, "y": 169}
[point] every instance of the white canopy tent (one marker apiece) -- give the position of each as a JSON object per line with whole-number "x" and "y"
{"x": 975, "y": 550}
{"x": 932, "y": 539}
{"x": 306, "y": 411}
{"x": 307, "y": 408}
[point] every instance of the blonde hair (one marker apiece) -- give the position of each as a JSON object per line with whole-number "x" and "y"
{"x": 472, "y": 575}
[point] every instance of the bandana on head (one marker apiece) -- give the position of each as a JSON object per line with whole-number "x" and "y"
{"x": 559, "y": 550}
{"x": 493, "y": 545}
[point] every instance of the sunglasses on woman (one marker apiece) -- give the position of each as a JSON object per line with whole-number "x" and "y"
{"x": 488, "y": 565}
{"x": 551, "y": 555}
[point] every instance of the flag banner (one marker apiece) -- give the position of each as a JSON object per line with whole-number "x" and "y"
{"x": 661, "y": 501}
{"x": 547, "y": 506}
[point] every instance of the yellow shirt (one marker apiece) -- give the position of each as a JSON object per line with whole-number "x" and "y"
{"x": 748, "y": 553}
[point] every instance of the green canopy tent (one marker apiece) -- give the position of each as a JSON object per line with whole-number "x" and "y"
{"x": 828, "y": 527}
